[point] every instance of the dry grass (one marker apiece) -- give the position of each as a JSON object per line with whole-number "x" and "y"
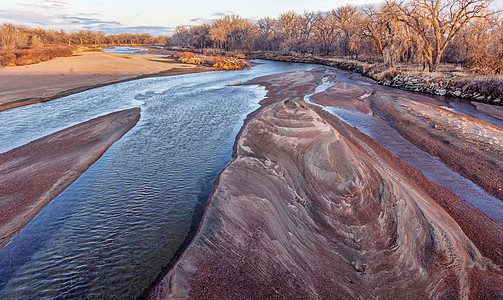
{"x": 23, "y": 57}
{"x": 218, "y": 62}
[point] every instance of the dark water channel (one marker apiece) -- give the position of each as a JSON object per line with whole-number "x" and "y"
{"x": 113, "y": 230}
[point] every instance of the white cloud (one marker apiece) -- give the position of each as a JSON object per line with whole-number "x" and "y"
{"x": 48, "y": 4}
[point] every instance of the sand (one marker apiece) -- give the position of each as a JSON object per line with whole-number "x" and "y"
{"x": 63, "y": 76}
{"x": 312, "y": 208}
{"x": 493, "y": 110}
{"x": 34, "y": 174}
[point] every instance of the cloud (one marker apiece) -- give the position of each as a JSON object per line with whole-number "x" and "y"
{"x": 214, "y": 16}
{"x": 223, "y": 14}
{"x": 200, "y": 20}
{"x": 80, "y": 21}
{"x": 153, "y": 30}
{"x": 87, "y": 21}
{"x": 25, "y": 18}
{"x": 49, "y": 4}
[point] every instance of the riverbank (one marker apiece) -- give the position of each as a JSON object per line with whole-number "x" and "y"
{"x": 34, "y": 174}
{"x": 480, "y": 88}
{"x": 64, "y": 76}
{"x": 487, "y": 89}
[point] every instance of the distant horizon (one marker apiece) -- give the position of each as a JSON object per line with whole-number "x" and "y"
{"x": 148, "y": 16}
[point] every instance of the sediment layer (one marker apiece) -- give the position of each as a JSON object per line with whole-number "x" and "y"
{"x": 35, "y": 173}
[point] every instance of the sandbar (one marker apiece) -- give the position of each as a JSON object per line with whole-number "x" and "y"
{"x": 63, "y": 76}
{"x": 34, "y": 174}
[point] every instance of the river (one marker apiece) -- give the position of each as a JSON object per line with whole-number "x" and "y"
{"x": 114, "y": 230}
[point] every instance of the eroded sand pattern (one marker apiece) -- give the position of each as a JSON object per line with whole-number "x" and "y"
{"x": 309, "y": 211}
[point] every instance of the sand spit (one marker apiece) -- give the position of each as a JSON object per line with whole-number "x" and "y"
{"x": 311, "y": 209}
{"x": 292, "y": 85}
{"x": 34, "y": 174}
{"x": 69, "y": 75}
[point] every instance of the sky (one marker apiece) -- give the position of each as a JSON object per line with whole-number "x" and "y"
{"x": 157, "y": 17}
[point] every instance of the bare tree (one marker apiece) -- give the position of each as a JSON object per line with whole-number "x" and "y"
{"x": 289, "y": 30}
{"x": 181, "y": 37}
{"x": 436, "y": 22}
{"x": 265, "y": 34}
{"x": 382, "y": 27}
{"x": 200, "y": 36}
{"x": 306, "y": 27}
{"x": 485, "y": 46}
{"x": 325, "y": 30}
{"x": 348, "y": 21}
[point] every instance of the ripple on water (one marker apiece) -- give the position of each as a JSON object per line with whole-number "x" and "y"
{"x": 112, "y": 231}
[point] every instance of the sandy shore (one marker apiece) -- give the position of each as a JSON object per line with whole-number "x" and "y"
{"x": 68, "y": 75}
{"x": 33, "y": 174}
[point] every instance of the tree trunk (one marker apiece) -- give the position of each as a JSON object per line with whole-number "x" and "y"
{"x": 433, "y": 65}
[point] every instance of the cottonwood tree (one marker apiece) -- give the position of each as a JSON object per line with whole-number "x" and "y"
{"x": 265, "y": 34}
{"x": 485, "y": 46}
{"x": 348, "y": 21}
{"x": 200, "y": 36}
{"x": 434, "y": 23}
{"x": 325, "y": 30}
{"x": 306, "y": 28}
{"x": 12, "y": 36}
{"x": 289, "y": 30}
{"x": 384, "y": 30}
{"x": 181, "y": 36}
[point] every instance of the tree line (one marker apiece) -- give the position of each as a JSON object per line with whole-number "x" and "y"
{"x": 421, "y": 32}
{"x": 23, "y": 45}
{"x": 14, "y": 37}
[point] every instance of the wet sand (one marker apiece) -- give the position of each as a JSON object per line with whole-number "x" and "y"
{"x": 492, "y": 110}
{"x": 471, "y": 147}
{"x": 34, "y": 174}
{"x": 63, "y": 76}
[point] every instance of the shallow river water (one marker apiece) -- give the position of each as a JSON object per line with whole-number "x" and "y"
{"x": 114, "y": 229}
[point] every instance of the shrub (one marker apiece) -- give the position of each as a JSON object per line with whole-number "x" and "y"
{"x": 218, "y": 62}
{"x": 387, "y": 74}
{"x": 236, "y": 64}
{"x": 23, "y": 57}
